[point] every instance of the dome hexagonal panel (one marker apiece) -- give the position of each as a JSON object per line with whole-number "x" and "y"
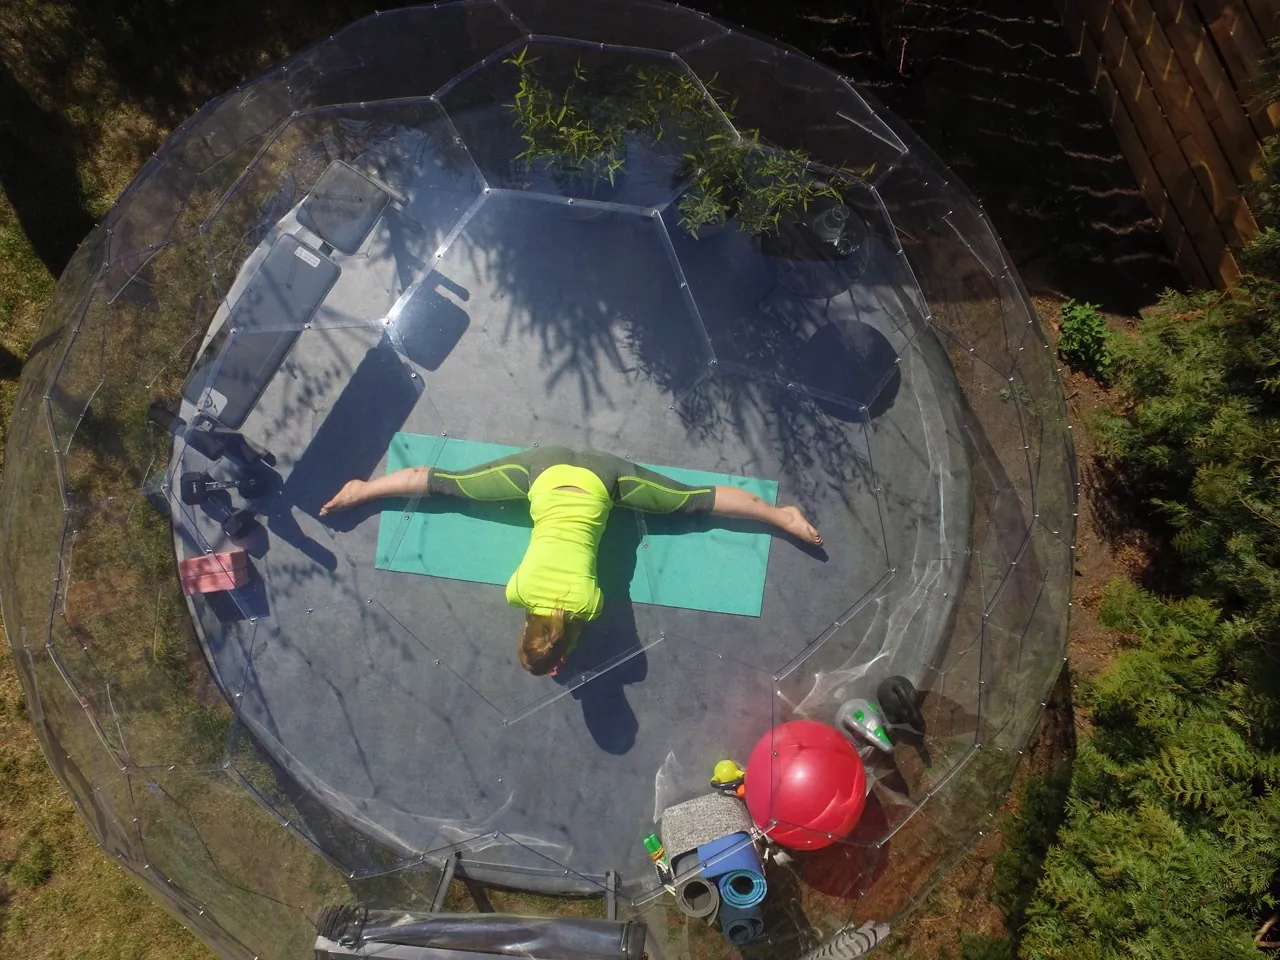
{"x": 399, "y": 54}
{"x": 181, "y": 822}
{"x": 449, "y": 233}
{"x": 116, "y": 577}
{"x": 795, "y": 104}
{"x": 655, "y": 26}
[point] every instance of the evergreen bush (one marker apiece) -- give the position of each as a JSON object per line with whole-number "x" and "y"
{"x": 1170, "y": 848}
{"x": 1201, "y": 441}
{"x": 1029, "y": 834}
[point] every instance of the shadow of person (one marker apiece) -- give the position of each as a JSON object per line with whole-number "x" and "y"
{"x": 351, "y": 441}
{"x": 610, "y": 655}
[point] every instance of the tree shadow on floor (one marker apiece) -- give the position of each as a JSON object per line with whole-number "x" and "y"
{"x": 1121, "y": 512}
{"x": 1033, "y": 828}
{"x": 162, "y": 58}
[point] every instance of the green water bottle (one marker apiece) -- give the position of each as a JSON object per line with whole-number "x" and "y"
{"x": 653, "y": 847}
{"x": 658, "y": 854}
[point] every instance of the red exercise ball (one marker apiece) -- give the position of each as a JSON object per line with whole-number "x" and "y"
{"x": 806, "y": 776}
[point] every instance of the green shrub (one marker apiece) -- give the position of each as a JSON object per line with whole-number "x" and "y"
{"x": 1200, "y": 439}
{"x": 578, "y": 129}
{"x": 1028, "y": 835}
{"x": 980, "y": 946}
{"x": 1170, "y": 848}
{"x": 1084, "y": 340}
{"x": 1171, "y": 845}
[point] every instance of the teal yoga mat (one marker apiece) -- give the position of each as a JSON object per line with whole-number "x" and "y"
{"x": 684, "y": 561}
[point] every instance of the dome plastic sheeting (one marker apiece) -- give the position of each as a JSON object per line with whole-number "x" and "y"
{"x": 484, "y": 225}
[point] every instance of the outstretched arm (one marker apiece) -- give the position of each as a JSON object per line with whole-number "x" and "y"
{"x": 409, "y": 482}
{"x": 738, "y": 503}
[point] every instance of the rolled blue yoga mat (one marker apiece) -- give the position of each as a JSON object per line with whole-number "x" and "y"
{"x": 734, "y": 862}
{"x": 734, "y": 852}
{"x": 742, "y": 888}
{"x": 741, "y": 925}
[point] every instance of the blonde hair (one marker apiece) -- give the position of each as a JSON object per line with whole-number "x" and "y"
{"x": 545, "y": 639}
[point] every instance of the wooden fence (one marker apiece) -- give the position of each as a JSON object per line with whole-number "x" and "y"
{"x": 1179, "y": 82}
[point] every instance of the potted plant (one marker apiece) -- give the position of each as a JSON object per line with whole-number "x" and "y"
{"x": 575, "y": 124}
{"x": 754, "y": 185}
{"x": 573, "y": 129}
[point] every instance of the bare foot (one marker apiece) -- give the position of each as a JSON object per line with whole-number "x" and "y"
{"x": 348, "y": 496}
{"x": 800, "y": 528}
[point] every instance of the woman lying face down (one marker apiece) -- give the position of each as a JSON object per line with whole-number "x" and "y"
{"x": 571, "y": 496}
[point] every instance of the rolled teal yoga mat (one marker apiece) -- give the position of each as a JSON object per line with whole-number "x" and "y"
{"x": 684, "y": 561}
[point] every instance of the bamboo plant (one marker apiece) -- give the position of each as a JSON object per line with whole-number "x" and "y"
{"x": 575, "y": 123}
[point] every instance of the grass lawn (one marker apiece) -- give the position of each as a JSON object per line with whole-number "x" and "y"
{"x": 60, "y": 896}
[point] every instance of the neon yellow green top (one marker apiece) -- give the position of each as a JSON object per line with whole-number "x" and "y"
{"x": 558, "y": 571}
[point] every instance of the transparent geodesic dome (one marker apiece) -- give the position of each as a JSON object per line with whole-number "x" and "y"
{"x": 456, "y": 230}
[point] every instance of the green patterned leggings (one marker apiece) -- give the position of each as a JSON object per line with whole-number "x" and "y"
{"x": 629, "y": 484}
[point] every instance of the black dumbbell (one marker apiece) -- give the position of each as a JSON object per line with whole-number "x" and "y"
{"x": 239, "y": 524}
{"x": 236, "y": 524}
{"x": 214, "y": 443}
{"x": 195, "y": 487}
